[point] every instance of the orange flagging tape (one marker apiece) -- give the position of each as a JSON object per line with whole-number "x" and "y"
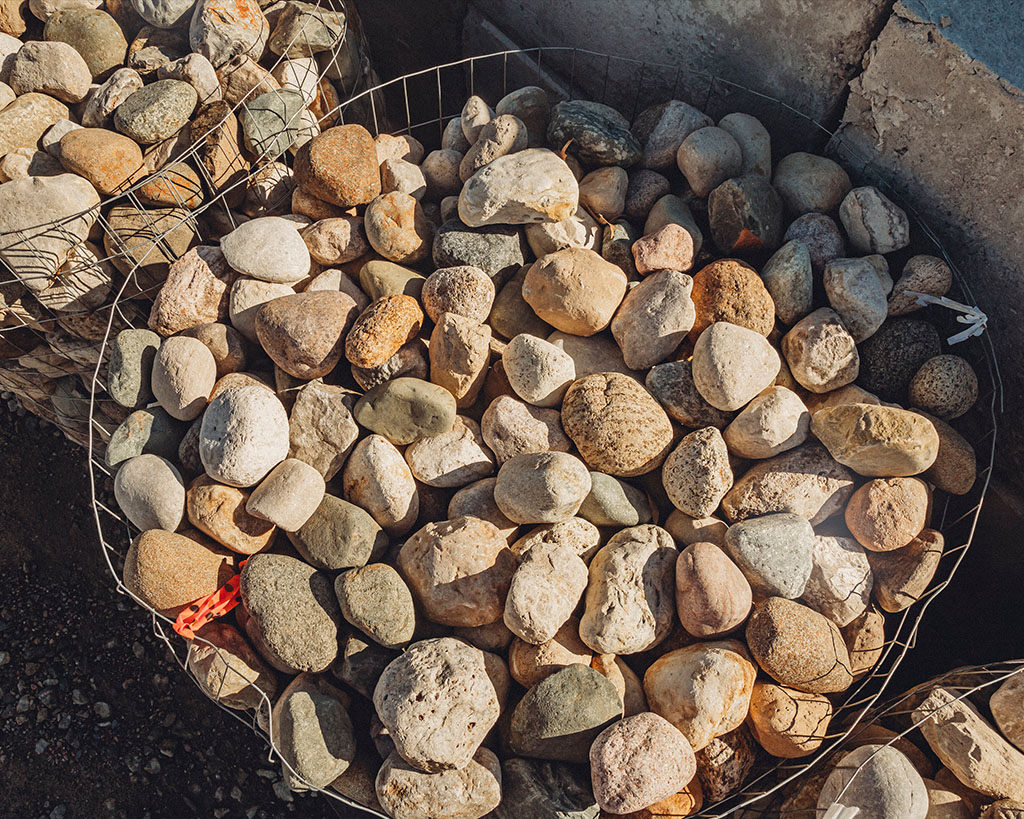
{"x": 196, "y": 615}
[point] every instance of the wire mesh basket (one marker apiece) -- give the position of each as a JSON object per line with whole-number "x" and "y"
{"x": 420, "y": 104}
{"x": 54, "y": 318}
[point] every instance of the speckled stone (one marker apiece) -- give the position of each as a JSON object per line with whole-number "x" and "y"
{"x": 339, "y": 166}
{"x": 730, "y": 291}
{"x": 131, "y": 363}
{"x": 921, "y": 274}
{"x": 600, "y": 134}
{"x": 672, "y": 385}
{"x": 654, "y": 318}
{"x": 219, "y": 511}
{"x": 381, "y": 329}
{"x": 156, "y": 111}
{"x": 820, "y": 235}
{"x": 339, "y": 535}
{"x": 377, "y": 478}
{"x": 873, "y": 222}
{"x": 696, "y": 474}
{"x": 945, "y": 385}
{"x": 469, "y": 792}
{"x": 304, "y": 334}
{"x": 498, "y": 250}
{"x": 732, "y": 364}
{"x": 376, "y": 601}
{"x": 894, "y": 354}
{"x": 773, "y": 552}
{"x": 541, "y": 487}
{"x": 877, "y": 441}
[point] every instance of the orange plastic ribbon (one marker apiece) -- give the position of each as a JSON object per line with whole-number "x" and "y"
{"x": 196, "y": 615}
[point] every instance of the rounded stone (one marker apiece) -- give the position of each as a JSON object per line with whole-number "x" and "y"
{"x": 616, "y": 425}
{"x": 575, "y": 290}
{"x": 703, "y": 689}
{"x": 561, "y": 715}
{"x": 821, "y": 353}
{"x": 654, "y": 318}
{"x": 304, "y": 334}
{"x": 335, "y": 240}
{"x": 108, "y": 160}
{"x": 131, "y": 363}
{"x": 945, "y": 385}
{"x": 292, "y": 612}
{"x": 879, "y": 782}
{"x": 730, "y": 291}
{"x": 708, "y": 157}
{"x": 551, "y": 790}
{"x": 877, "y": 441}
{"x": 288, "y": 496}
{"x": 841, "y": 579}
{"x": 244, "y": 434}
{"x": 169, "y": 571}
{"x": 145, "y": 430}
{"x": 775, "y": 421}
{"x": 156, "y": 111}
{"x": 773, "y": 552}
{"x": 537, "y": 370}
{"x": 732, "y": 364}
{"x": 798, "y": 647}
{"x": 640, "y": 760}
{"x": 397, "y": 228}
{"x": 477, "y": 500}
{"x": 529, "y": 664}
{"x": 893, "y": 355}
{"x": 599, "y": 134}
{"x": 219, "y": 511}
{"x": 696, "y": 474}
{"x": 582, "y": 535}
{"x": 820, "y": 235}
{"x": 268, "y": 248}
{"x": 459, "y": 570}
{"x": 754, "y": 141}
{"x": 184, "y": 372}
{"x": 51, "y": 68}
{"x": 375, "y": 600}
{"x": 464, "y": 290}
{"x": 789, "y": 279}
{"x": 194, "y": 294}
{"x": 150, "y": 492}
{"x": 630, "y": 602}
{"x": 377, "y": 478}
{"x": 670, "y": 247}
{"x": 788, "y": 723}
{"x": 687, "y": 530}
{"x": 94, "y": 34}
{"x": 545, "y": 590}
{"x": 379, "y": 278}
{"x": 857, "y": 293}
{"x": 404, "y": 410}
{"x": 440, "y": 171}
{"x": 887, "y": 513}
{"x": 644, "y": 189}
{"x": 381, "y": 330}
{"x": 713, "y": 598}
{"x": 228, "y": 670}
{"x": 808, "y": 183}
{"x": 504, "y": 134}
{"x": 921, "y": 274}
{"x": 246, "y": 298}
{"x": 873, "y": 222}
{"x": 511, "y": 427}
{"x": 533, "y": 185}
{"x": 956, "y": 466}
{"x": 541, "y": 487}
{"x": 451, "y": 459}
{"x": 222, "y": 29}
{"x": 469, "y": 792}
{"x": 603, "y": 191}
{"x": 313, "y": 731}
{"x": 612, "y": 502}
{"x": 745, "y": 214}
{"x": 460, "y": 350}
{"x": 672, "y": 385}
{"x": 902, "y": 576}
{"x": 339, "y": 166}
{"x": 270, "y": 122}
{"x": 339, "y": 535}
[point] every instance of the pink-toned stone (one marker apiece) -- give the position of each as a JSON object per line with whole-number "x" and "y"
{"x": 669, "y": 248}
{"x": 196, "y": 292}
{"x": 713, "y": 597}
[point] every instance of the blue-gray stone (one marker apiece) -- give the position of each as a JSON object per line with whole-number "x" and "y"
{"x": 145, "y": 431}
{"x": 774, "y": 552}
{"x": 600, "y": 135}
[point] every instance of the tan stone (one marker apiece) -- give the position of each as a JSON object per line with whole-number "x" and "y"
{"x": 876, "y": 440}
{"x": 575, "y": 290}
{"x": 786, "y": 722}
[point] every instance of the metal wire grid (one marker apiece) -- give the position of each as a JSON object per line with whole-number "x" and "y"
{"x": 955, "y": 516}
{"x": 49, "y": 350}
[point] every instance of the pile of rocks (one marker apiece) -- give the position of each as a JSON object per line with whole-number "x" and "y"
{"x": 971, "y": 727}
{"x": 120, "y": 126}
{"x": 528, "y": 474}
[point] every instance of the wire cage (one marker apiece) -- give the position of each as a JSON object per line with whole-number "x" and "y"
{"x": 65, "y": 284}
{"x": 420, "y": 104}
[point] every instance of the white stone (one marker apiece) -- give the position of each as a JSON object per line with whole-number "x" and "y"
{"x": 546, "y": 588}
{"x": 537, "y": 370}
{"x": 773, "y": 422}
{"x": 269, "y": 248}
{"x": 840, "y": 583}
{"x": 243, "y": 435}
{"x": 732, "y": 364}
{"x": 534, "y": 185}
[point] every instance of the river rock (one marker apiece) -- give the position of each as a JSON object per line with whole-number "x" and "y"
{"x": 537, "y": 370}
{"x": 219, "y": 511}
{"x": 529, "y": 664}
{"x": 857, "y": 295}
{"x": 438, "y": 701}
{"x": 582, "y": 535}
{"x": 865, "y": 641}
{"x": 600, "y": 134}
{"x": 696, "y": 474}
{"x": 703, "y": 689}
{"x": 713, "y": 598}
{"x": 894, "y": 354}
{"x": 335, "y": 240}
{"x": 593, "y": 354}
{"x": 406, "y": 409}
{"x": 198, "y": 72}
{"x": 397, "y": 228}
{"x": 227, "y": 670}
{"x": 673, "y": 210}
{"x": 575, "y": 290}
{"x": 304, "y": 334}
{"x": 638, "y": 761}
{"x": 672, "y": 385}
{"x": 184, "y": 372}
{"x": 477, "y": 500}
{"x": 946, "y": 386}
{"x": 459, "y": 570}
{"x": 269, "y": 248}
{"x": 376, "y": 601}
{"x": 34, "y": 255}
{"x": 195, "y": 292}
{"x": 469, "y": 792}
{"x": 464, "y": 290}
{"x": 511, "y": 427}
{"x": 339, "y": 166}
{"x": 313, "y": 731}
{"x": 654, "y": 318}
{"x": 270, "y": 123}
{"x": 25, "y": 120}
{"x": 668, "y": 248}
{"x": 156, "y": 111}
{"x": 92, "y": 33}
{"x": 1005, "y": 704}
{"x": 293, "y": 613}
{"x": 616, "y": 424}
{"x": 339, "y": 535}
{"x": 841, "y": 579}
{"x": 451, "y": 459}
{"x": 872, "y": 222}
{"x": 708, "y": 157}
{"x": 562, "y": 714}
{"x": 498, "y": 250}
{"x": 630, "y": 599}
{"x": 504, "y": 134}
{"x": 146, "y": 430}
{"x": 397, "y": 175}
{"x": 131, "y": 363}
{"x": 542, "y": 487}
{"x": 921, "y": 274}
{"x": 955, "y": 467}
{"x": 887, "y": 513}
{"x": 288, "y": 496}
{"x": 377, "y": 478}
{"x": 222, "y": 29}
{"x": 662, "y": 128}
{"x": 775, "y": 421}
{"x": 381, "y": 329}
{"x": 52, "y": 68}
{"x": 547, "y": 790}
{"x": 645, "y": 188}
{"x": 788, "y": 723}
{"x": 459, "y": 355}
{"x": 820, "y": 235}
{"x": 877, "y": 781}
{"x": 877, "y": 440}
{"x": 773, "y": 552}
{"x": 379, "y": 278}
{"x": 745, "y": 215}
{"x": 612, "y": 502}
{"x": 809, "y": 183}
{"x": 754, "y": 141}
{"x": 687, "y": 530}
{"x": 821, "y": 353}
{"x": 150, "y": 492}
{"x": 902, "y": 576}
{"x": 169, "y": 571}
{"x": 731, "y": 291}
{"x": 732, "y": 364}
{"x": 545, "y": 590}
{"x": 798, "y": 647}
{"x": 440, "y": 171}
{"x": 534, "y": 185}
{"x": 244, "y": 435}
{"x": 788, "y": 277}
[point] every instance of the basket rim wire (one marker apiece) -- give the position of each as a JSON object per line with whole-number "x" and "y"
{"x": 859, "y": 700}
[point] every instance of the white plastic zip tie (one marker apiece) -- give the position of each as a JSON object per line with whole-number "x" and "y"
{"x": 837, "y": 811}
{"x": 971, "y": 315}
